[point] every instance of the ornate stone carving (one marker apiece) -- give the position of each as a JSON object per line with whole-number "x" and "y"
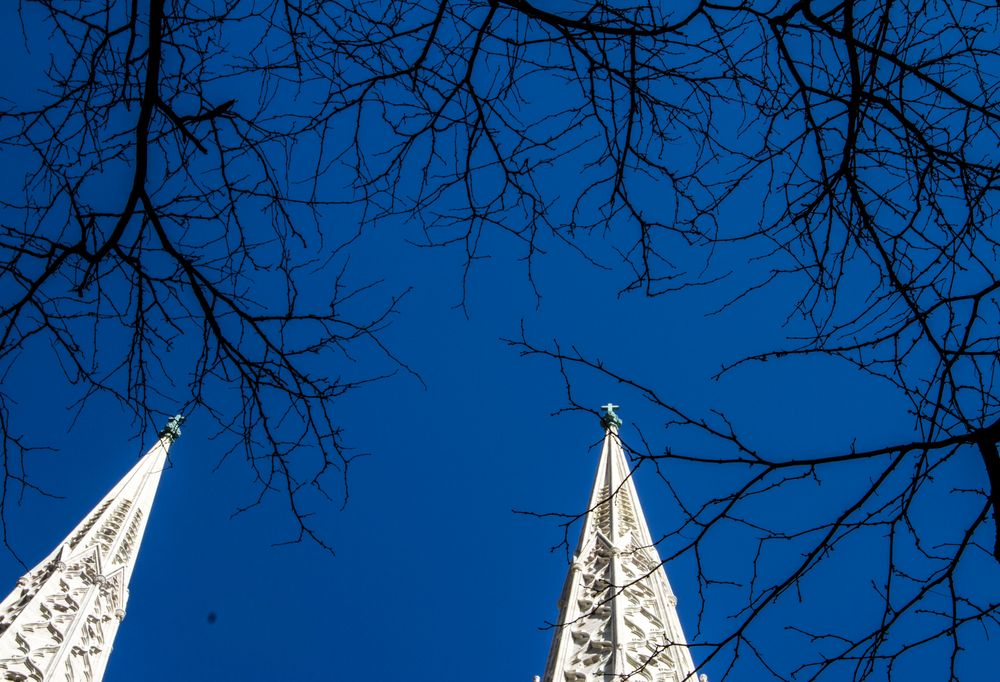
{"x": 61, "y": 619}
{"x": 617, "y": 617}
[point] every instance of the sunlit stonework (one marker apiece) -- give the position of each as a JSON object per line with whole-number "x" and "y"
{"x": 617, "y": 615}
{"x": 61, "y": 619}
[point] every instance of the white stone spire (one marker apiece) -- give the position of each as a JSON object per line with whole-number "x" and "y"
{"x": 60, "y": 621}
{"x": 617, "y": 613}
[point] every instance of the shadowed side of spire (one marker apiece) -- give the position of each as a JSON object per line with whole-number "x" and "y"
{"x": 60, "y": 621}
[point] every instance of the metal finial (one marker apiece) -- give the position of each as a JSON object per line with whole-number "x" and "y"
{"x": 609, "y": 418}
{"x": 172, "y": 431}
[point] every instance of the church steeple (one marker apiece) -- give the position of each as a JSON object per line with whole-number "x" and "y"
{"x": 617, "y": 613}
{"x": 60, "y": 621}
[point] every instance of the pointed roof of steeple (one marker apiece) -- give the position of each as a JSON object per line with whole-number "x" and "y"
{"x": 61, "y": 619}
{"x": 617, "y": 612}
{"x": 131, "y": 498}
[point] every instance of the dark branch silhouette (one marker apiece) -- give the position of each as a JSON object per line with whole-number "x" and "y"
{"x": 841, "y": 153}
{"x": 160, "y": 249}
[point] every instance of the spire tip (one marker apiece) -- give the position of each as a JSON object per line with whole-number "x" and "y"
{"x": 172, "y": 431}
{"x": 609, "y": 418}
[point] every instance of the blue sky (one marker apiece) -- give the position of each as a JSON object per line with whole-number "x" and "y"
{"x": 435, "y": 577}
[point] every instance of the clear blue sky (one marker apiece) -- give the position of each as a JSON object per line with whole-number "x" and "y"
{"x": 435, "y": 578}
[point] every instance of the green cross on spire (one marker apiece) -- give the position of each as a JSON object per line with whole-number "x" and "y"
{"x": 172, "y": 431}
{"x": 609, "y": 418}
